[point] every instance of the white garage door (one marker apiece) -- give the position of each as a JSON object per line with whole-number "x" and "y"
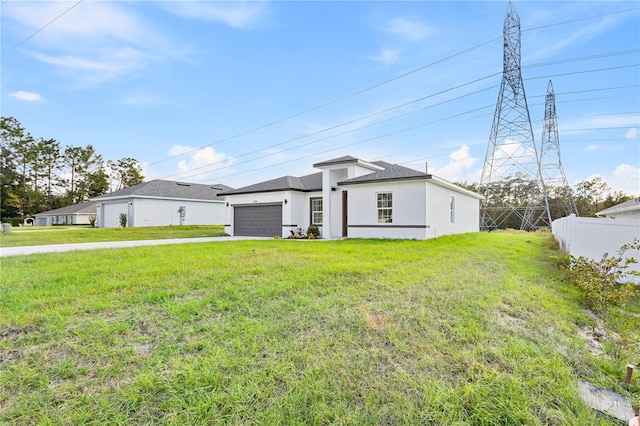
{"x": 262, "y": 220}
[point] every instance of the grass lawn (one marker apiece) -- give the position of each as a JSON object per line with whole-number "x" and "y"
{"x": 43, "y": 235}
{"x": 474, "y": 329}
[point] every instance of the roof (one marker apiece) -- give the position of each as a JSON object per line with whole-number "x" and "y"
{"x": 630, "y": 205}
{"x": 347, "y": 159}
{"x": 390, "y": 172}
{"x": 308, "y": 183}
{"x": 88, "y": 207}
{"x": 168, "y": 189}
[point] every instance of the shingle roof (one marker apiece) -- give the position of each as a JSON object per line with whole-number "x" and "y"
{"x": 391, "y": 172}
{"x": 88, "y": 207}
{"x": 347, "y": 159}
{"x": 168, "y": 189}
{"x": 629, "y": 205}
{"x": 308, "y": 183}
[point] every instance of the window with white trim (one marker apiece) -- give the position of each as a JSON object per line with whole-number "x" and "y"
{"x": 452, "y": 209}
{"x": 316, "y": 211}
{"x": 385, "y": 207}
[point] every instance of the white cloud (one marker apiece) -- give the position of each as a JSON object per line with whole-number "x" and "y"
{"x": 592, "y": 147}
{"x": 200, "y": 161}
{"x": 233, "y": 14}
{"x": 26, "y": 96}
{"x": 387, "y": 56}
{"x": 631, "y": 134}
{"x": 92, "y": 42}
{"x": 460, "y": 168}
{"x": 409, "y": 29}
{"x": 626, "y": 178}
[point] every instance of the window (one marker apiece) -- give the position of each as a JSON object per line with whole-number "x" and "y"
{"x": 452, "y": 209}
{"x": 385, "y": 207}
{"x": 316, "y": 211}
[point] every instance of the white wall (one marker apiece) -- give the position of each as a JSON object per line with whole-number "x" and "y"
{"x": 467, "y": 211}
{"x": 408, "y": 215}
{"x": 159, "y": 212}
{"x": 592, "y": 237}
{"x": 628, "y": 215}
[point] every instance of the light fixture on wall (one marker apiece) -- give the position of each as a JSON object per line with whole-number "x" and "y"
{"x": 227, "y": 204}
{"x": 285, "y": 201}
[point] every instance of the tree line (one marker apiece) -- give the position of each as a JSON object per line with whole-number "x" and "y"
{"x": 38, "y": 174}
{"x": 590, "y": 196}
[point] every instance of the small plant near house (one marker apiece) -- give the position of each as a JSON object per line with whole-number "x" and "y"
{"x": 313, "y": 232}
{"x": 297, "y": 234}
{"x": 92, "y": 221}
{"x": 123, "y": 220}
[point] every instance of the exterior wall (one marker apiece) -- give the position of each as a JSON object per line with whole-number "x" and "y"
{"x": 408, "y": 214}
{"x": 72, "y": 219}
{"x": 159, "y": 212}
{"x": 593, "y": 237}
{"x": 163, "y": 212}
{"x": 332, "y": 201}
{"x": 466, "y": 211}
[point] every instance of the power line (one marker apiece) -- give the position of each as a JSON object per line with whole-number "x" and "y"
{"x": 41, "y": 28}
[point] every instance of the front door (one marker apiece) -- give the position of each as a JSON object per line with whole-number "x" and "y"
{"x": 344, "y": 213}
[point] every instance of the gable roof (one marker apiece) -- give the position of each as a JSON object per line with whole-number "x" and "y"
{"x": 390, "y": 172}
{"x": 307, "y": 183}
{"x": 168, "y": 189}
{"x": 630, "y": 205}
{"x": 88, "y": 207}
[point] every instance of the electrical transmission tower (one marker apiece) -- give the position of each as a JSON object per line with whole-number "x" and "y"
{"x": 550, "y": 164}
{"x": 514, "y": 193}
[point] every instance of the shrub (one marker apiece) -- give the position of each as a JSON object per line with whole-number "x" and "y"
{"x": 605, "y": 282}
{"x": 313, "y": 231}
{"x": 123, "y": 220}
{"x": 92, "y": 221}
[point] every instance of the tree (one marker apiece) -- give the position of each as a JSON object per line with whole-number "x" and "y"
{"x": 126, "y": 172}
{"x": 49, "y": 161}
{"x": 589, "y": 193}
{"x": 86, "y": 173}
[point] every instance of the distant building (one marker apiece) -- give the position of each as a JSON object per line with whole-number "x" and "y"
{"x": 162, "y": 203}
{"x": 77, "y": 214}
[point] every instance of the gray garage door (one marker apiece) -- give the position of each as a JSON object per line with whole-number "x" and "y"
{"x": 258, "y": 221}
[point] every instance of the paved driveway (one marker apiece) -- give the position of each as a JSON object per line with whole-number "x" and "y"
{"x": 15, "y": 251}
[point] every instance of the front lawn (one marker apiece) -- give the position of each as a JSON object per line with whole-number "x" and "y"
{"x": 36, "y": 236}
{"x": 470, "y": 329}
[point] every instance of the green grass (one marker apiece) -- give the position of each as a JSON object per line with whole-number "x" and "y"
{"x": 35, "y": 236}
{"x": 474, "y": 329}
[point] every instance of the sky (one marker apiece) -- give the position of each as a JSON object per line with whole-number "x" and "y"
{"x": 241, "y": 92}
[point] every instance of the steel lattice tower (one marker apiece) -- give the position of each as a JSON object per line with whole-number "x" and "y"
{"x": 514, "y": 193}
{"x": 550, "y": 164}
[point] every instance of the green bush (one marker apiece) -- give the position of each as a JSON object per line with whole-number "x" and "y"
{"x": 605, "y": 282}
{"x": 313, "y": 231}
{"x": 123, "y": 220}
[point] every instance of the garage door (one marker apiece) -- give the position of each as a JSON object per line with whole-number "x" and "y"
{"x": 258, "y": 221}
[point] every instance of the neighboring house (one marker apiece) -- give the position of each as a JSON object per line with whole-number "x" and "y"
{"x": 353, "y": 198}
{"x": 77, "y": 214}
{"x": 162, "y": 203}
{"x": 629, "y": 210}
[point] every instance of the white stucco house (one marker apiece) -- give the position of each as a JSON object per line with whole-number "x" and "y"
{"x": 629, "y": 210}
{"x": 77, "y": 214}
{"x": 162, "y": 203}
{"x": 354, "y": 198}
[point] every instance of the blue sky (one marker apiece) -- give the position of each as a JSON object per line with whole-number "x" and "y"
{"x": 236, "y": 93}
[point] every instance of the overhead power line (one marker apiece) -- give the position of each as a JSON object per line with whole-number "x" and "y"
{"x": 41, "y": 28}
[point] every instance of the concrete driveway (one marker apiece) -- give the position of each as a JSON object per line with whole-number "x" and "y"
{"x": 16, "y": 251}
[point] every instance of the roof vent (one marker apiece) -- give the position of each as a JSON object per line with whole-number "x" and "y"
{"x": 183, "y": 184}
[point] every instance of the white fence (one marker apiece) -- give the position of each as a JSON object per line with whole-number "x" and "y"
{"x": 592, "y": 237}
